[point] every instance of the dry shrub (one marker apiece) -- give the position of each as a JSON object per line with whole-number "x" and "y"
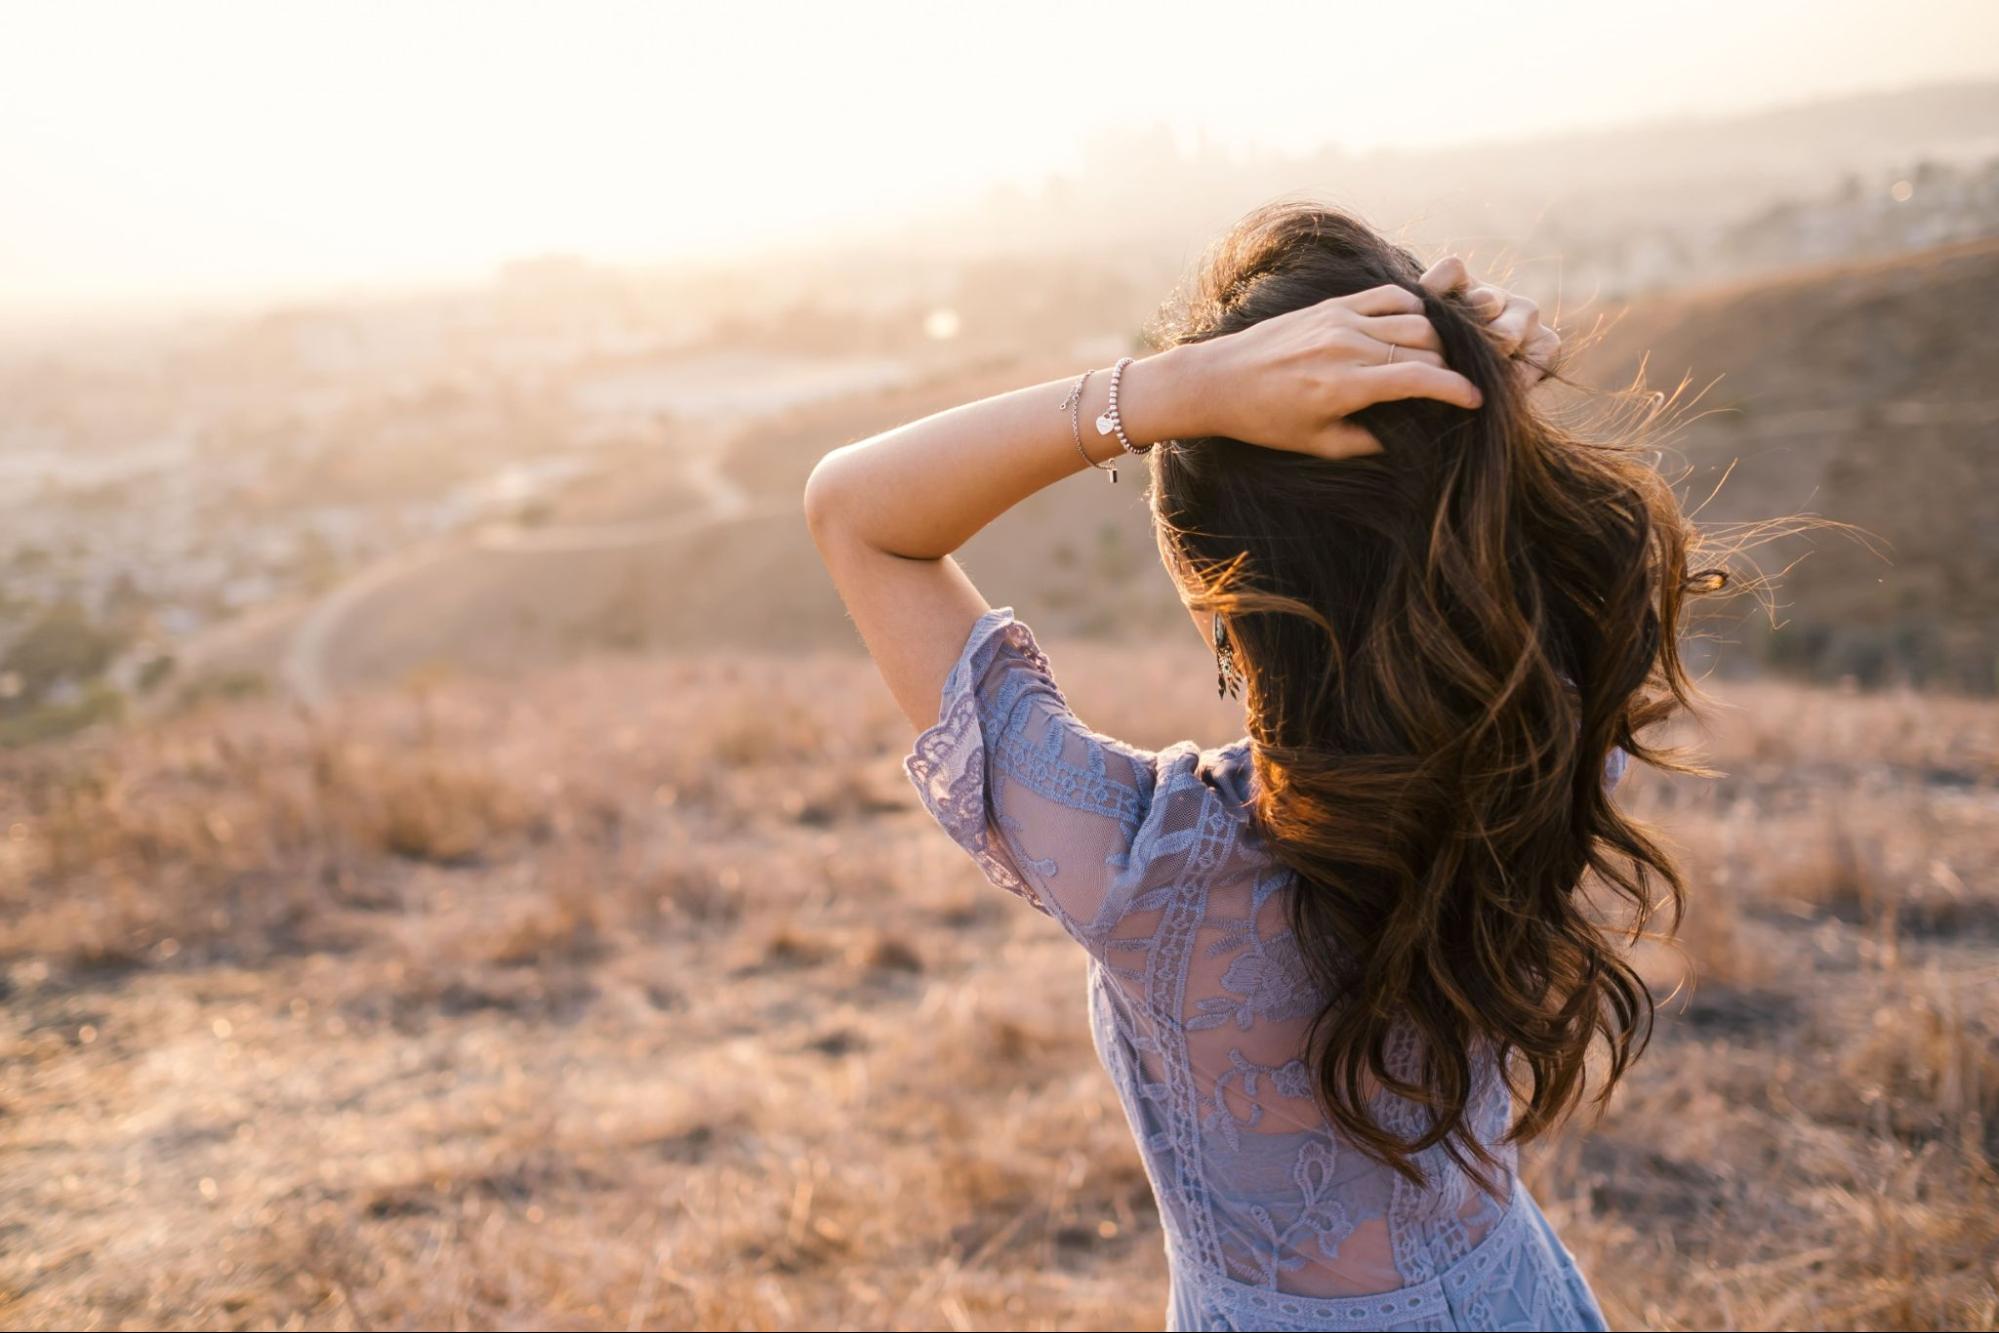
{"x": 567, "y": 930}
{"x": 756, "y": 732}
{"x": 890, "y": 953}
{"x": 1927, "y": 1068}
{"x": 423, "y": 805}
{"x": 1717, "y": 949}
{"x": 786, "y": 948}
{"x": 696, "y": 894}
{"x": 1828, "y": 868}
{"x": 111, "y": 866}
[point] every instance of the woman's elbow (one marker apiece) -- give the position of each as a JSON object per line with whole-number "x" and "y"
{"x": 822, "y": 498}
{"x": 843, "y": 507}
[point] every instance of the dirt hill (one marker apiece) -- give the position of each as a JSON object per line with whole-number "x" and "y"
{"x": 1079, "y": 558}
{"x": 1868, "y": 394}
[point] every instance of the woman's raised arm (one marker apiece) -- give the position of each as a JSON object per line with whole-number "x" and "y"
{"x": 887, "y": 512}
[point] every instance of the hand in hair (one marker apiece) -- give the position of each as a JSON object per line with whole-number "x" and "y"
{"x": 1513, "y": 321}
{"x": 1290, "y": 382}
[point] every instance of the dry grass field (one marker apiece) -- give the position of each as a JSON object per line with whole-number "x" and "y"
{"x": 643, "y": 993}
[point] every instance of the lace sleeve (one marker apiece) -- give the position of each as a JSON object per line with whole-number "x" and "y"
{"x": 1083, "y": 827}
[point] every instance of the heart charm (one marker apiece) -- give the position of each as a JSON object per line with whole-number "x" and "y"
{"x": 1104, "y": 426}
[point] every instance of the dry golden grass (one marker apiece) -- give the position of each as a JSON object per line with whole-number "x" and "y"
{"x": 644, "y": 994}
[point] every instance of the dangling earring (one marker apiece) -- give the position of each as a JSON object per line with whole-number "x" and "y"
{"x": 1228, "y": 675}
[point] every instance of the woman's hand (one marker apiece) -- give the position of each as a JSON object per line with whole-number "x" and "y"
{"x": 1289, "y": 382}
{"x": 1513, "y": 321}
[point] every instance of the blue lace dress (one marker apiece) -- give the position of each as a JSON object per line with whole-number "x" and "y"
{"x": 1198, "y": 1005}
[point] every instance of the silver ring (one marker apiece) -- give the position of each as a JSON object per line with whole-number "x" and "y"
{"x": 1392, "y": 349}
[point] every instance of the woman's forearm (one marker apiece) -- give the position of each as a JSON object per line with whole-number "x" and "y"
{"x": 921, "y": 490}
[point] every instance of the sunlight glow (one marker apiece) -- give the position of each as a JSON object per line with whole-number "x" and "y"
{"x": 153, "y": 151}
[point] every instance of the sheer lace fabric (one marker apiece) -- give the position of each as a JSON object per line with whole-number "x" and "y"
{"x": 1199, "y": 1002}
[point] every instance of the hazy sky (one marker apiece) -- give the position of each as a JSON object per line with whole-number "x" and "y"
{"x": 164, "y": 150}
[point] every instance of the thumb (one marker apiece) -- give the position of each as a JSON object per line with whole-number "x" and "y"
{"x": 1343, "y": 439}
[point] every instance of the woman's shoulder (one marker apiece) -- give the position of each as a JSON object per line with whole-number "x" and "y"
{"x": 1005, "y": 679}
{"x": 1084, "y": 825}
{"x": 1222, "y": 775}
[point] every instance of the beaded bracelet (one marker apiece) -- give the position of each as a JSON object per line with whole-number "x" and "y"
{"x": 1112, "y": 421}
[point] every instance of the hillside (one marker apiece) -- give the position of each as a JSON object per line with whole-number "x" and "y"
{"x": 1863, "y": 393}
{"x": 1867, "y": 394}
{"x": 1078, "y": 558}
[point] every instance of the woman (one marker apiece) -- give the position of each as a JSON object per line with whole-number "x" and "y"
{"x": 1342, "y": 968}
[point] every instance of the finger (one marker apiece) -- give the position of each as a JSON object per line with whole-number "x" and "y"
{"x": 1515, "y": 323}
{"x": 1413, "y": 379}
{"x": 1377, "y": 352}
{"x": 1486, "y": 301}
{"x": 1543, "y": 347}
{"x": 1403, "y": 331}
{"x": 1446, "y": 275}
{"x": 1387, "y": 299}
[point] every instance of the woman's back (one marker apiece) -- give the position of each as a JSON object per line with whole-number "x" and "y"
{"x": 1201, "y": 1006}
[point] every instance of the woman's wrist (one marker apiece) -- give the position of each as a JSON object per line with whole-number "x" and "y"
{"x": 1164, "y": 397}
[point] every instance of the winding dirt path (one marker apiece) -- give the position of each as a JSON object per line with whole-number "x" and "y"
{"x": 303, "y": 669}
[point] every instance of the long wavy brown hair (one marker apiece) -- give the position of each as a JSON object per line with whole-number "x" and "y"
{"x": 1442, "y": 644}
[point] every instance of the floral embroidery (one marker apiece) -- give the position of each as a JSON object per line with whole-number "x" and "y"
{"x": 1266, "y": 980}
{"x": 1293, "y": 1079}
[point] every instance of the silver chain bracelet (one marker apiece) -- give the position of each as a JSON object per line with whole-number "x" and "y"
{"x": 1073, "y": 405}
